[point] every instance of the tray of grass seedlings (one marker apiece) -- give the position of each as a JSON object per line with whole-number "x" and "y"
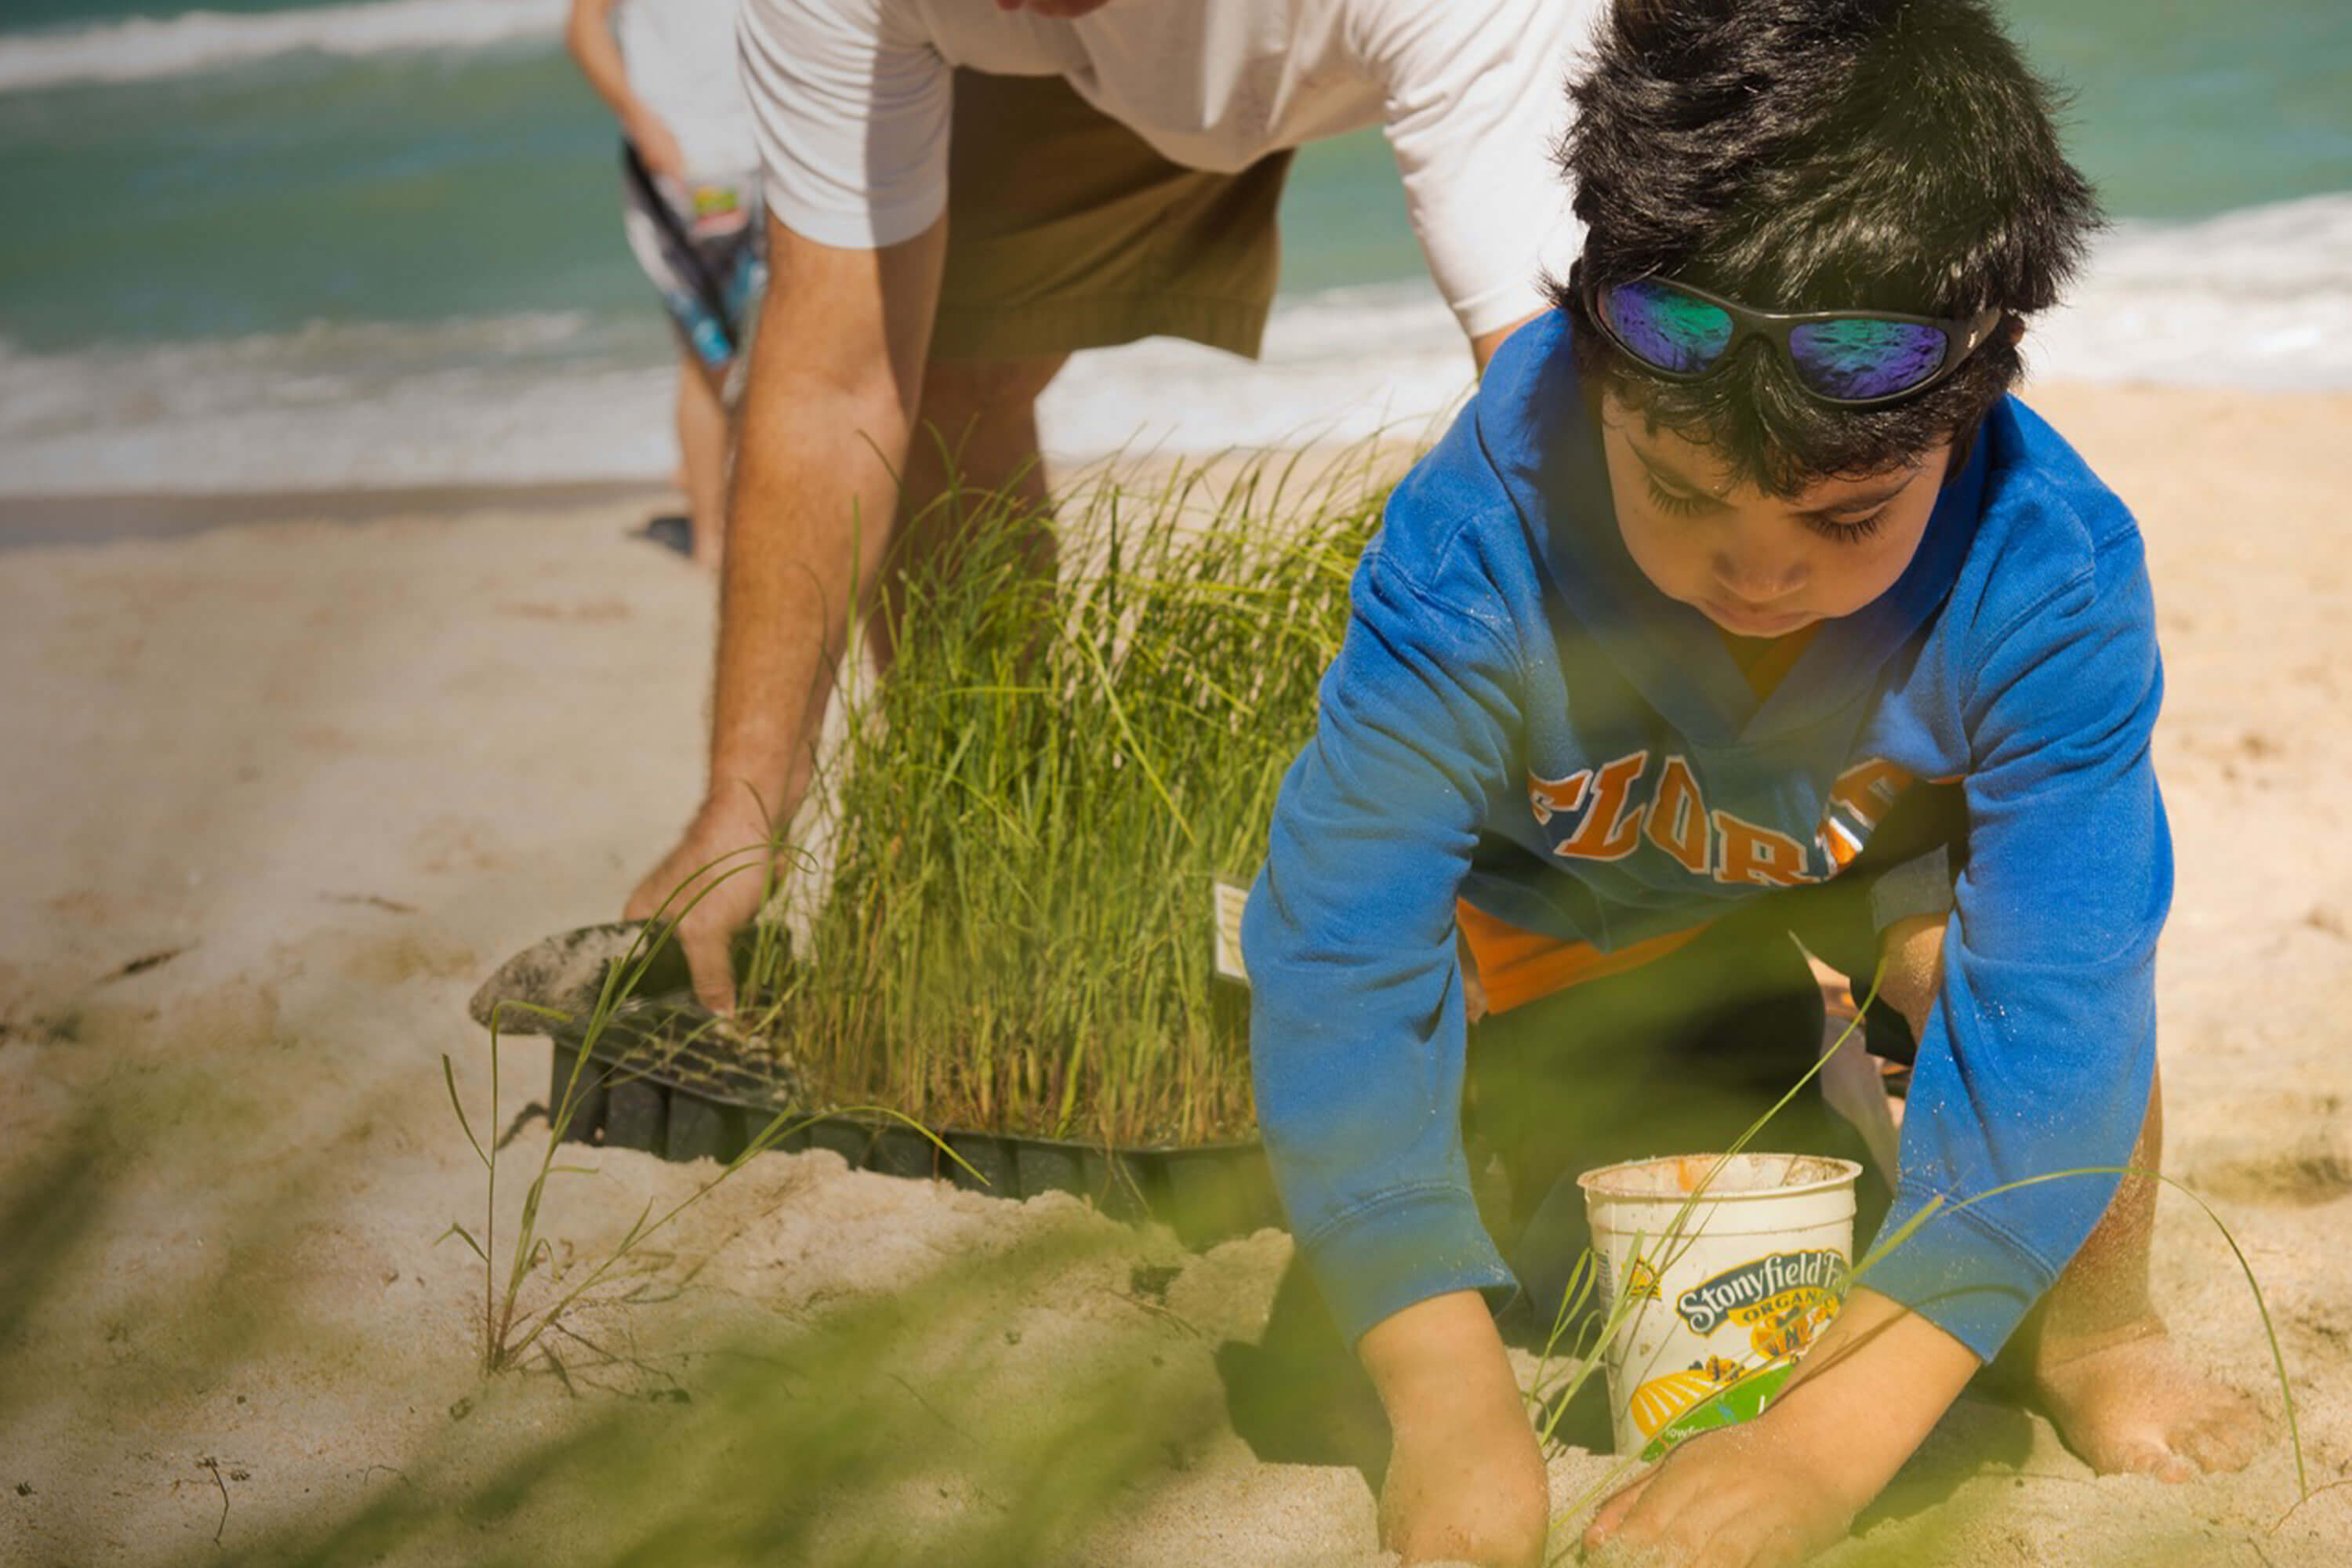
{"x": 1010, "y": 939}
{"x": 645, "y": 1066}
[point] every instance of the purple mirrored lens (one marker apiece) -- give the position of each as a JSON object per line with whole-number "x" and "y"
{"x": 1862, "y": 359}
{"x": 1665, "y": 327}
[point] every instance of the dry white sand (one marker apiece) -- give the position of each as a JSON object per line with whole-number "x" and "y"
{"x": 336, "y": 771}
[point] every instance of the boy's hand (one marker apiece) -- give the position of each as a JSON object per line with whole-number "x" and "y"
{"x": 1465, "y": 1481}
{"x": 1787, "y": 1484}
{"x": 1738, "y": 1498}
{"x": 1467, "y": 1491}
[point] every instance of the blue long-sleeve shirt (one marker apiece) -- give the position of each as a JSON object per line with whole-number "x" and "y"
{"x": 1518, "y": 718}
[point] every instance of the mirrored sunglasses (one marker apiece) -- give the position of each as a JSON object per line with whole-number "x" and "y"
{"x": 1847, "y": 357}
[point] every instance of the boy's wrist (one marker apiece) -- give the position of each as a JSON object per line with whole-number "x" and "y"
{"x": 1440, "y": 1363}
{"x": 1465, "y": 1479}
{"x": 1867, "y": 1392}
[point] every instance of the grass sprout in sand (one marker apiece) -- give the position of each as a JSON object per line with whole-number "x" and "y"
{"x": 1030, "y": 812}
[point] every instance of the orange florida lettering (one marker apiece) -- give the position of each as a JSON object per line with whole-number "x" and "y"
{"x": 1859, "y": 801}
{"x": 1608, "y": 832}
{"x": 1757, "y": 855}
{"x": 1678, "y": 821}
{"x": 1545, "y": 796}
{"x": 1610, "y": 824}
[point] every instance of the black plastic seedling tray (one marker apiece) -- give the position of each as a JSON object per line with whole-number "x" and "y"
{"x": 692, "y": 1102}
{"x": 665, "y": 1076}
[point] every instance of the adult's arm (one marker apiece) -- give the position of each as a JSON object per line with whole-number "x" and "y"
{"x": 1476, "y": 104}
{"x": 835, "y": 377}
{"x": 1484, "y": 344}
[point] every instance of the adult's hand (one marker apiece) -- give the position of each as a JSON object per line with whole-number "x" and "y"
{"x": 711, "y": 883}
{"x": 1465, "y": 1480}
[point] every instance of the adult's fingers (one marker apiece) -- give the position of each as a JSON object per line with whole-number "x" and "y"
{"x": 706, "y": 944}
{"x": 642, "y": 903}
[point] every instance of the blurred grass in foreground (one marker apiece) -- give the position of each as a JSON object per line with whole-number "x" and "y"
{"x": 897, "y": 1427}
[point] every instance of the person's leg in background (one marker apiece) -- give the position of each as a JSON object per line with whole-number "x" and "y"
{"x": 703, "y": 434}
{"x": 710, "y": 285}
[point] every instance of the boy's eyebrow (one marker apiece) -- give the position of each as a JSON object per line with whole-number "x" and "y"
{"x": 1862, "y": 502}
{"x": 1869, "y": 498}
{"x": 1668, "y": 472}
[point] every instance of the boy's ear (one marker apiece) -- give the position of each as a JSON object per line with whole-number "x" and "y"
{"x": 2013, "y": 329}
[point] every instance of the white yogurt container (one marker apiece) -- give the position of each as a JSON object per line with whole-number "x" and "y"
{"x": 1731, "y": 1273}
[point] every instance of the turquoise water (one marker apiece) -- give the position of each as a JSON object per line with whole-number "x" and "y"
{"x": 315, "y": 213}
{"x": 428, "y": 182}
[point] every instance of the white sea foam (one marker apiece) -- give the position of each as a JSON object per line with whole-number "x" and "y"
{"x": 512, "y": 399}
{"x": 1338, "y": 367}
{"x": 146, "y": 49}
{"x": 2259, "y": 298}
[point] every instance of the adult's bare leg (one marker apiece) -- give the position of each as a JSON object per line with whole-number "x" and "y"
{"x": 974, "y": 446}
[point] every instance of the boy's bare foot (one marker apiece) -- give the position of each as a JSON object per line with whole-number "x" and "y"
{"x": 2128, "y": 1401}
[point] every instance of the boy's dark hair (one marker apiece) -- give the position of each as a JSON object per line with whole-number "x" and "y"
{"x": 1814, "y": 155}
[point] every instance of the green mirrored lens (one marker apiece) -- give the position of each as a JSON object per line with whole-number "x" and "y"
{"x": 1665, "y": 328}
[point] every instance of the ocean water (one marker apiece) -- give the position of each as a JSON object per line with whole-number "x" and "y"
{"x": 269, "y": 245}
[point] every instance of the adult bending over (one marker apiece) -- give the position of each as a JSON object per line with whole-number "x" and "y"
{"x": 961, "y": 193}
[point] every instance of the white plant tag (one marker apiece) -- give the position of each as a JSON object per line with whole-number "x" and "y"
{"x": 1230, "y": 900}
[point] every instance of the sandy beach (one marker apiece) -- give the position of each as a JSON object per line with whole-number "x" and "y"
{"x": 279, "y": 790}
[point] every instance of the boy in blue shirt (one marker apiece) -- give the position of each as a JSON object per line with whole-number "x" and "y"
{"x": 1742, "y": 580}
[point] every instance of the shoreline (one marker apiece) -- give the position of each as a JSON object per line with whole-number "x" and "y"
{"x": 105, "y": 517}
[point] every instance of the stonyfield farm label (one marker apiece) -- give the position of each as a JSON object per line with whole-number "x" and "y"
{"x": 1752, "y": 1290}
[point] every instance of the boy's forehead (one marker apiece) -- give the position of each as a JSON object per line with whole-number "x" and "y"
{"x": 1696, "y": 465}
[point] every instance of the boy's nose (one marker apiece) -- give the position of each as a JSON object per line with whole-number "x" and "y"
{"x": 1757, "y": 577}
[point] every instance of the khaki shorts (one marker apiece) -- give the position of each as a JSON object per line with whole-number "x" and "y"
{"x": 1067, "y": 231}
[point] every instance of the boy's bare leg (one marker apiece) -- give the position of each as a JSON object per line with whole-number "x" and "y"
{"x": 2096, "y": 1352}
{"x": 2100, "y": 1359}
{"x": 702, "y": 453}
